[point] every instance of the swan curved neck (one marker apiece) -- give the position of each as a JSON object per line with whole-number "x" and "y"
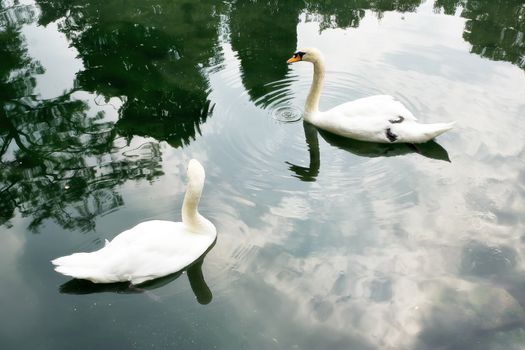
{"x": 312, "y": 101}
{"x": 190, "y": 213}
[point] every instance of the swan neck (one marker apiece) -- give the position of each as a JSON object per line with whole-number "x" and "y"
{"x": 190, "y": 213}
{"x": 312, "y": 101}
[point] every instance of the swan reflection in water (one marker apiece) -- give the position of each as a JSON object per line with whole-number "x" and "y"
{"x": 429, "y": 149}
{"x": 198, "y": 284}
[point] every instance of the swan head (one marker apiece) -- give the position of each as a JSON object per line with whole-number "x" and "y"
{"x": 190, "y": 215}
{"x": 308, "y": 54}
{"x": 195, "y": 173}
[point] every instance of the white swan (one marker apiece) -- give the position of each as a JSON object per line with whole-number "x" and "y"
{"x": 377, "y": 118}
{"x": 151, "y": 249}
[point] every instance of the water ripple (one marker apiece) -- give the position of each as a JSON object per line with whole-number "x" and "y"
{"x": 287, "y": 114}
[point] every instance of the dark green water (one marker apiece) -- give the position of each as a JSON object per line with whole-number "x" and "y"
{"x": 323, "y": 243}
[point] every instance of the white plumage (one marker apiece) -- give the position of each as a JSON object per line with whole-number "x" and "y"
{"x": 377, "y": 118}
{"x": 151, "y": 249}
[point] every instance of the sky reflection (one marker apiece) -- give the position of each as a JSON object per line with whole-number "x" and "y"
{"x": 319, "y": 245}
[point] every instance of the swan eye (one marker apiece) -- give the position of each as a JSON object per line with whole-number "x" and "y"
{"x": 299, "y": 53}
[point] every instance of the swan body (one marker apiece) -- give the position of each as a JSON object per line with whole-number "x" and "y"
{"x": 151, "y": 249}
{"x": 378, "y": 118}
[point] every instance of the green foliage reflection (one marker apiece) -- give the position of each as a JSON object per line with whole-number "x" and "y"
{"x": 59, "y": 159}
{"x": 53, "y": 154}
{"x": 494, "y": 28}
{"x": 152, "y": 53}
{"x": 345, "y": 14}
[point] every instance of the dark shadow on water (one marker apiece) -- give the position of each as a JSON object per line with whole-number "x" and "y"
{"x": 194, "y": 271}
{"x": 429, "y": 149}
{"x": 77, "y": 286}
{"x": 309, "y": 173}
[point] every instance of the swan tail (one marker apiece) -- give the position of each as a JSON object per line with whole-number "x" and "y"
{"x": 81, "y": 266}
{"x": 426, "y": 132}
{"x": 439, "y": 128}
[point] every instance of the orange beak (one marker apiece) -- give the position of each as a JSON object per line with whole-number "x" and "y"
{"x": 295, "y": 58}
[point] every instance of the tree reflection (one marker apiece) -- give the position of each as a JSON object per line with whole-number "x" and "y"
{"x": 61, "y": 162}
{"x": 495, "y": 29}
{"x": 346, "y": 14}
{"x": 262, "y": 35}
{"x": 152, "y": 53}
{"x": 263, "y": 32}
{"x": 52, "y": 152}
{"x": 449, "y": 6}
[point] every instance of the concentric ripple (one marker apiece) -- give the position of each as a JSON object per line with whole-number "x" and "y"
{"x": 258, "y": 141}
{"x": 279, "y": 171}
{"x": 287, "y": 114}
{"x": 263, "y": 133}
{"x": 279, "y": 102}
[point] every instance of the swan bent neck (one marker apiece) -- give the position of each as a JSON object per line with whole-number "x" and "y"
{"x": 312, "y": 101}
{"x": 190, "y": 214}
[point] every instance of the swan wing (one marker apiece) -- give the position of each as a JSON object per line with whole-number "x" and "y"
{"x": 365, "y": 128}
{"x": 378, "y": 106}
{"x": 379, "y": 128}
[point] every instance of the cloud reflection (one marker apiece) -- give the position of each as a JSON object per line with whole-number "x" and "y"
{"x": 376, "y": 253}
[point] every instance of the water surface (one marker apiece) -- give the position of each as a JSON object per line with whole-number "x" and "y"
{"x": 323, "y": 242}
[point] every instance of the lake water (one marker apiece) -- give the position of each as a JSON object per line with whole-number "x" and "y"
{"x": 323, "y": 243}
